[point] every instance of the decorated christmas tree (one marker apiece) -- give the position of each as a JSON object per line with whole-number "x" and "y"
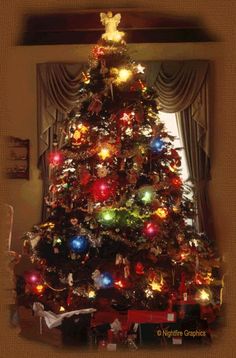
{"x": 118, "y": 233}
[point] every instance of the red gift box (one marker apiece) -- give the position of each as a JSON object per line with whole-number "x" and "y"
{"x": 150, "y": 317}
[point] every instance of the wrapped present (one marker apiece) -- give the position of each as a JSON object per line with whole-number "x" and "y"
{"x": 139, "y": 316}
{"x": 35, "y": 328}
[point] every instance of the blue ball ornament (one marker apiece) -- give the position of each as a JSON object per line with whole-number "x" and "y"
{"x": 106, "y": 280}
{"x": 79, "y": 244}
{"x": 157, "y": 144}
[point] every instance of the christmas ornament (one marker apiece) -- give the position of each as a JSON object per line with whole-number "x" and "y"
{"x": 96, "y": 276}
{"x": 78, "y": 134}
{"x": 126, "y": 118}
{"x": 139, "y": 268}
{"x": 98, "y": 51}
{"x": 149, "y": 293}
{"x": 79, "y": 244}
{"x": 111, "y": 22}
{"x": 139, "y": 68}
{"x": 96, "y": 104}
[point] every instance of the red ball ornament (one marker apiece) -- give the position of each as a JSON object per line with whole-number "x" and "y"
{"x": 102, "y": 189}
{"x": 55, "y": 158}
{"x": 151, "y": 229}
{"x": 139, "y": 268}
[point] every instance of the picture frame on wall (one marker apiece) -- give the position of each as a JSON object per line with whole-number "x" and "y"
{"x": 17, "y": 159}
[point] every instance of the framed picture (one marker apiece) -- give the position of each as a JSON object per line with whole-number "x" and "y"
{"x": 17, "y": 158}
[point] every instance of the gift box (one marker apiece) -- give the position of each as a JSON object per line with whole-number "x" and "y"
{"x": 138, "y": 316}
{"x": 35, "y": 328}
{"x": 76, "y": 330}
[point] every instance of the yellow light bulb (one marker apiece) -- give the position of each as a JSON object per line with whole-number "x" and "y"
{"x": 62, "y": 309}
{"x": 92, "y": 294}
{"x": 162, "y": 213}
{"x": 156, "y": 286}
{"x": 204, "y": 296}
{"x": 104, "y": 153}
{"x": 124, "y": 75}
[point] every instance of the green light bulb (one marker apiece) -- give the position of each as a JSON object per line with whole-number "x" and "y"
{"x": 147, "y": 197}
{"x": 107, "y": 216}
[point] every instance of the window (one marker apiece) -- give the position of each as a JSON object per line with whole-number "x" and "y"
{"x": 170, "y": 121}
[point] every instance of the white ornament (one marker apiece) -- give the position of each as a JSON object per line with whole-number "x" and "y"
{"x": 111, "y": 22}
{"x": 70, "y": 279}
{"x": 96, "y": 276}
{"x": 140, "y": 68}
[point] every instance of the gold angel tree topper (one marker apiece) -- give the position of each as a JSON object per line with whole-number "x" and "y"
{"x": 111, "y": 22}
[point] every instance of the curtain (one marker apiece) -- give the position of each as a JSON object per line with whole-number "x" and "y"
{"x": 182, "y": 88}
{"x": 57, "y": 92}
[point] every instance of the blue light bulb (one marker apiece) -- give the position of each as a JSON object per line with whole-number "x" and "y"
{"x": 79, "y": 244}
{"x": 106, "y": 280}
{"x": 157, "y": 144}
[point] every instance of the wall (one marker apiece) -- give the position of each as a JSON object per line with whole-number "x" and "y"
{"x": 19, "y": 117}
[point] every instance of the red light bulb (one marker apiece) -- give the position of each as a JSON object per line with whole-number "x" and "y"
{"x": 150, "y": 229}
{"x": 55, "y": 158}
{"x": 102, "y": 189}
{"x": 176, "y": 181}
{"x": 32, "y": 277}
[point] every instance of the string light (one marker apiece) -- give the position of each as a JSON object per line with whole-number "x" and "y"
{"x": 39, "y": 289}
{"x": 204, "y": 295}
{"x": 55, "y": 158}
{"x": 146, "y": 194}
{"x": 107, "y": 216}
{"x": 157, "y": 145}
{"x": 123, "y": 75}
{"x": 150, "y": 229}
{"x": 91, "y": 294}
{"x": 79, "y": 243}
{"x": 104, "y": 153}
{"x": 162, "y": 213}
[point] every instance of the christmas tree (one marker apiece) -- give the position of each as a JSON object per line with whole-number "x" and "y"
{"x": 118, "y": 233}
